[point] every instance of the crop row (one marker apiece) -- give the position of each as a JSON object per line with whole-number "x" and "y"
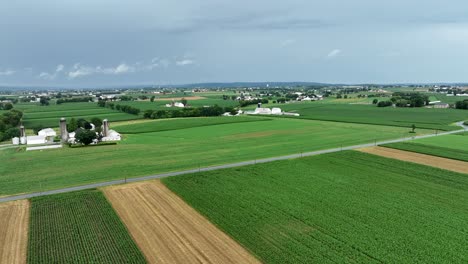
{"x": 342, "y": 207}
{"x": 79, "y": 227}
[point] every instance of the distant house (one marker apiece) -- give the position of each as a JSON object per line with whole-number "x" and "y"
{"x": 48, "y": 133}
{"x": 440, "y": 105}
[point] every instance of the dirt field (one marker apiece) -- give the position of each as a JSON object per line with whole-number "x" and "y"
{"x": 180, "y": 98}
{"x": 443, "y": 163}
{"x": 14, "y": 223}
{"x": 167, "y": 230}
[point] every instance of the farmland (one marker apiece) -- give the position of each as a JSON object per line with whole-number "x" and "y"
{"x": 448, "y": 146}
{"x": 427, "y": 118}
{"x": 79, "y": 227}
{"x": 179, "y": 149}
{"x": 48, "y": 116}
{"x": 168, "y": 230}
{"x": 429, "y": 160}
{"x": 14, "y": 221}
{"x": 342, "y": 207}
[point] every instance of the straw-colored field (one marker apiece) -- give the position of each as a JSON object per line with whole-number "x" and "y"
{"x": 167, "y": 230}
{"x": 443, "y": 163}
{"x": 14, "y": 222}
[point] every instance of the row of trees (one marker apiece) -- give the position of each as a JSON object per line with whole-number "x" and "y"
{"x": 9, "y": 123}
{"x": 253, "y": 102}
{"x": 122, "y": 108}
{"x": 74, "y": 100}
{"x": 189, "y": 112}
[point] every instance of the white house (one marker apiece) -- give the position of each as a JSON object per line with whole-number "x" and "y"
{"x": 276, "y": 111}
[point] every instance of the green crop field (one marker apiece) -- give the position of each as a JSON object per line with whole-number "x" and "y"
{"x": 448, "y": 146}
{"x": 179, "y": 149}
{"x": 183, "y": 123}
{"x": 428, "y": 118}
{"x": 49, "y": 116}
{"x": 78, "y": 227}
{"x": 344, "y": 207}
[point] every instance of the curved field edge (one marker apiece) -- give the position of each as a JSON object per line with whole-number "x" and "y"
{"x": 78, "y": 227}
{"x": 14, "y": 223}
{"x": 342, "y": 207}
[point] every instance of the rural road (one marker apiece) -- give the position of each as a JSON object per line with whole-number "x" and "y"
{"x": 225, "y": 166}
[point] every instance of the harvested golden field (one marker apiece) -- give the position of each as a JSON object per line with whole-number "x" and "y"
{"x": 443, "y": 163}
{"x": 14, "y": 222}
{"x": 167, "y": 230}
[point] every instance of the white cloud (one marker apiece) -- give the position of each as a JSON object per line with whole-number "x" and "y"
{"x": 51, "y": 76}
{"x": 334, "y": 53}
{"x": 184, "y": 62}
{"x": 60, "y": 68}
{"x": 83, "y": 70}
{"x": 287, "y": 42}
{"x": 7, "y": 73}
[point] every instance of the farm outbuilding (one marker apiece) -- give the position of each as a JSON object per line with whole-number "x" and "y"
{"x": 36, "y": 140}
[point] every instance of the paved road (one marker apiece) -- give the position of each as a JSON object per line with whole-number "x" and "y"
{"x": 238, "y": 164}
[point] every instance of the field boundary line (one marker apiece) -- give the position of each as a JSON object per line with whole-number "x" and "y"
{"x": 224, "y": 166}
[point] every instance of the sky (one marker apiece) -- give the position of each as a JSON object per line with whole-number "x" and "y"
{"x": 74, "y": 43}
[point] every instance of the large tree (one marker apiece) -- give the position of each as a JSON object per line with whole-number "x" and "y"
{"x": 85, "y": 136}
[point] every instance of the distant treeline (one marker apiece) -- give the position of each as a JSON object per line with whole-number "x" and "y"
{"x": 9, "y": 122}
{"x": 462, "y": 104}
{"x": 6, "y": 106}
{"x": 122, "y": 108}
{"x": 74, "y": 100}
{"x": 189, "y": 112}
{"x": 244, "y": 103}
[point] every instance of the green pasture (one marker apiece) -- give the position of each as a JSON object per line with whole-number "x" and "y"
{"x": 343, "y": 207}
{"x": 447, "y": 146}
{"x": 78, "y": 227}
{"x": 179, "y": 149}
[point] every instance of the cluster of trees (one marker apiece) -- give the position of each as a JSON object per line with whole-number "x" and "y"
{"x": 462, "y": 104}
{"x": 6, "y": 106}
{"x": 75, "y": 124}
{"x": 122, "y": 108}
{"x": 405, "y": 99}
{"x": 82, "y": 127}
{"x": 9, "y": 123}
{"x": 189, "y": 112}
{"x": 383, "y": 103}
{"x": 74, "y": 100}
{"x": 44, "y": 101}
{"x": 253, "y": 102}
